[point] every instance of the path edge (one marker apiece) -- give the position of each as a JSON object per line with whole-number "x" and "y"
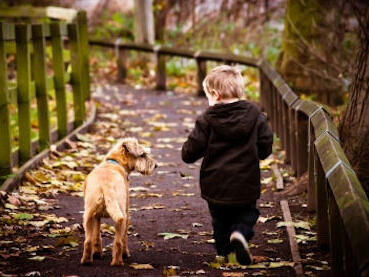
{"x": 12, "y": 183}
{"x": 296, "y": 258}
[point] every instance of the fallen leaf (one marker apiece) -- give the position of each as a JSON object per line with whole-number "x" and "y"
{"x": 275, "y": 241}
{"x": 318, "y": 268}
{"x": 141, "y": 266}
{"x": 69, "y": 240}
{"x": 266, "y": 219}
{"x": 233, "y": 274}
{"x": 172, "y": 236}
{"x": 22, "y": 216}
{"x": 37, "y": 258}
{"x": 300, "y": 224}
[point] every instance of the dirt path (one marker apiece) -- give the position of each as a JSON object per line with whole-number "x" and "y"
{"x": 41, "y": 233}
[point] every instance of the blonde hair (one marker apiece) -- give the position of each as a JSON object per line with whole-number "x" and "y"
{"x": 226, "y": 80}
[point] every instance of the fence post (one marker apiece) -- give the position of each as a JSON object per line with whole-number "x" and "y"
{"x": 293, "y": 134}
{"x": 321, "y": 203}
{"x": 84, "y": 51}
{"x": 23, "y": 61}
{"x": 40, "y": 75}
{"x": 201, "y": 74}
{"x": 59, "y": 82}
{"x": 286, "y": 131}
{"x": 121, "y": 58}
{"x": 76, "y": 76}
{"x": 280, "y": 119}
{"x": 274, "y": 109}
{"x": 5, "y": 149}
{"x": 160, "y": 70}
{"x": 311, "y": 203}
{"x": 335, "y": 236}
{"x": 302, "y": 143}
{"x": 263, "y": 90}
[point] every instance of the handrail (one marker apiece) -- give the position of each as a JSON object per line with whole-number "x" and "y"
{"x": 186, "y": 53}
{"x": 39, "y": 12}
{"x": 312, "y": 144}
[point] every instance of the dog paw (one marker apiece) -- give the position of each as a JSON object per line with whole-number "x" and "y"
{"x": 117, "y": 263}
{"x": 86, "y": 261}
{"x": 97, "y": 255}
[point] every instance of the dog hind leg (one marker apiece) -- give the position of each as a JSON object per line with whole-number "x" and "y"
{"x": 88, "y": 223}
{"x": 125, "y": 240}
{"x": 120, "y": 221}
{"x": 97, "y": 245}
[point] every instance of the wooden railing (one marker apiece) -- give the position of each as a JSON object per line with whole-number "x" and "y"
{"x": 311, "y": 141}
{"x": 30, "y": 45}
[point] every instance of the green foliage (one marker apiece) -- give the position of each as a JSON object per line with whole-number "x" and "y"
{"x": 116, "y": 25}
{"x": 174, "y": 67}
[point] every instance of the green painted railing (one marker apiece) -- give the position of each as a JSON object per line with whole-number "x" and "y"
{"x": 65, "y": 41}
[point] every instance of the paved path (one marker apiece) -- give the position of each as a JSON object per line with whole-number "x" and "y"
{"x": 41, "y": 231}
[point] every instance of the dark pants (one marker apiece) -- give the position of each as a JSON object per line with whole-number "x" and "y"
{"x": 226, "y": 219}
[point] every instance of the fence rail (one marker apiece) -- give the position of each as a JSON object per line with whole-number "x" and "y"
{"x": 31, "y": 45}
{"x": 311, "y": 141}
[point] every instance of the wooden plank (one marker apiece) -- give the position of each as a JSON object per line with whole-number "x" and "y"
{"x": 321, "y": 203}
{"x": 78, "y": 101}
{"x": 160, "y": 72}
{"x": 286, "y": 131}
{"x": 8, "y": 31}
{"x": 32, "y": 12}
{"x": 23, "y": 62}
{"x": 59, "y": 79}
{"x": 84, "y": 50}
{"x": 335, "y": 237}
{"x": 281, "y": 126}
{"x": 275, "y": 110}
{"x": 201, "y": 74}
{"x": 40, "y": 76}
{"x": 302, "y": 143}
{"x": 353, "y": 206}
{"x": 205, "y": 55}
{"x": 292, "y": 239}
{"x": 278, "y": 175}
{"x": 5, "y": 142}
{"x": 121, "y": 58}
{"x": 12, "y": 89}
{"x": 311, "y": 203}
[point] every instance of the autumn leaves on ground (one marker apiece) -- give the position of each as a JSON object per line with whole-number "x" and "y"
{"x": 170, "y": 232}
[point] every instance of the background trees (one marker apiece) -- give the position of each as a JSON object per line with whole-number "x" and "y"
{"x": 354, "y": 128}
{"x": 312, "y": 47}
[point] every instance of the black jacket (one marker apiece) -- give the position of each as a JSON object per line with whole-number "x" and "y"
{"x": 232, "y": 138}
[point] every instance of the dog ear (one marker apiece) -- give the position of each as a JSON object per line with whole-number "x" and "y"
{"x": 132, "y": 147}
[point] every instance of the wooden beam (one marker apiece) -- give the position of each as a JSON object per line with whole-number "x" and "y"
{"x": 292, "y": 239}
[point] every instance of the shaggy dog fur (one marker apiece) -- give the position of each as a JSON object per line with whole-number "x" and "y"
{"x": 106, "y": 193}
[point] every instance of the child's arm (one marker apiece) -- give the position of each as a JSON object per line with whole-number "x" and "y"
{"x": 195, "y": 146}
{"x": 265, "y": 138}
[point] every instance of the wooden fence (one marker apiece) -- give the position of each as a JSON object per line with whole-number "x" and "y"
{"x": 311, "y": 141}
{"x": 30, "y": 45}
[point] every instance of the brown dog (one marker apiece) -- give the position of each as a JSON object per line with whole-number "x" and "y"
{"x": 106, "y": 193}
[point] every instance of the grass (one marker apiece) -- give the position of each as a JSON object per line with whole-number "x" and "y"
{"x": 14, "y": 127}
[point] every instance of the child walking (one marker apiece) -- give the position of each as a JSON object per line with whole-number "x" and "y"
{"x": 232, "y": 135}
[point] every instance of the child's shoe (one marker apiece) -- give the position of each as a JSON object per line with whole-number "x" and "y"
{"x": 241, "y": 248}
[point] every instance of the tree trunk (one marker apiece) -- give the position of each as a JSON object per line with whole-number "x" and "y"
{"x": 144, "y": 22}
{"x": 311, "y": 47}
{"x": 354, "y": 127}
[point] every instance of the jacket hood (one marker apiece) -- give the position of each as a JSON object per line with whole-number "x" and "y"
{"x": 233, "y": 120}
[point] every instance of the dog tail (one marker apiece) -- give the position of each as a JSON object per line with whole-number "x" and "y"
{"x": 113, "y": 209}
